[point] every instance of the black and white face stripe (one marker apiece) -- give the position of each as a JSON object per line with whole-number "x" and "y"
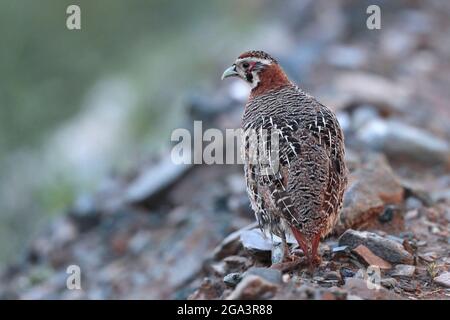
{"x": 249, "y": 68}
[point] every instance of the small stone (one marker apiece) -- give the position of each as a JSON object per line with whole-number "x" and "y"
{"x": 254, "y": 240}
{"x": 269, "y": 274}
{"x": 208, "y": 290}
{"x": 333, "y": 275}
{"x": 386, "y": 249}
{"x": 387, "y": 214}
{"x": 85, "y": 213}
{"x": 318, "y": 279}
{"x": 399, "y": 140}
{"x": 218, "y": 268}
{"x": 421, "y": 243}
{"x": 370, "y": 258}
{"x": 389, "y": 283}
{"x": 139, "y": 242}
{"x": 371, "y": 187}
{"x": 231, "y": 244}
{"x": 253, "y": 287}
{"x": 412, "y": 214}
{"x": 153, "y": 180}
{"x": 232, "y": 279}
{"x": 347, "y": 273}
{"x": 235, "y": 263}
{"x": 412, "y": 203}
{"x": 429, "y": 256}
{"x": 396, "y": 239}
{"x": 360, "y": 288}
{"x": 341, "y": 249}
{"x": 362, "y": 115}
{"x": 403, "y": 270}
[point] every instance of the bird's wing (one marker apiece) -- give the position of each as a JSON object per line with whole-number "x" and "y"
{"x": 310, "y": 162}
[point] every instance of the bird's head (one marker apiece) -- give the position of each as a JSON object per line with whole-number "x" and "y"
{"x": 259, "y": 70}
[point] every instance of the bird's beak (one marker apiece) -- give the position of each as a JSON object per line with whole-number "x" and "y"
{"x": 230, "y": 72}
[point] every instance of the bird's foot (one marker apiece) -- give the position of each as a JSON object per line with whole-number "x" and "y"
{"x": 314, "y": 262}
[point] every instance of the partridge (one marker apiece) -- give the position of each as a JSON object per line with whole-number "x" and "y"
{"x": 300, "y": 190}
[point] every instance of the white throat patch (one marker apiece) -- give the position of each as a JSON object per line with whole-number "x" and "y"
{"x": 255, "y": 77}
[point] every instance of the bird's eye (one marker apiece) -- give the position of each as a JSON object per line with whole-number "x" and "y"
{"x": 245, "y": 65}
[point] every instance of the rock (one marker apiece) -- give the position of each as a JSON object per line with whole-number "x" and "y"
{"x": 388, "y": 250}
{"x": 370, "y": 188}
{"x": 253, "y": 240}
{"x": 389, "y": 283}
{"x": 269, "y": 274}
{"x": 412, "y": 203}
{"x": 443, "y": 279}
{"x": 154, "y": 180}
{"x": 387, "y": 215}
{"x": 407, "y": 284}
{"x": 344, "y": 120}
{"x": 139, "y": 242}
{"x": 359, "y": 287}
{"x": 364, "y": 88}
{"x": 362, "y": 115}
{"x": 253, "y": 287}
{"x": 416, "y": 195}
{"x": 428, "y": 256}
{"x": 440, "y": 195}
{"x": 236, "y": 263}
{"x": 231, "y": 244}
{"x": 208, "y": 290}
{"x": 232, "y": 279}
{"x": 412, "y": 214}
{"x": 347, "y": 273}
{"x": 399, "y": 140}
{"x": 217, "y": 268}
{"x": 403, "y": 270}
{"x": 350, "y": 57}
{"x": 341, "y": 249}
{"x": 370, "y": 258}
{"x": 333, "y": 275}
{"x": 85, "y": 213}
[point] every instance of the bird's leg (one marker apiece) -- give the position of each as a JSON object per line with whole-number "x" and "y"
{"x": 315, "y": 258}
{"x": 301, "y": 241}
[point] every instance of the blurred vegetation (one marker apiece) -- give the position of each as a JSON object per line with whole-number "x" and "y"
{"x": 161, "y": 48}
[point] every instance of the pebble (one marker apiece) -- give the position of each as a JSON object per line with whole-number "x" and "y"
{"x": 232, "y": 279}
{"x": 429, "y": 256}
{"x": 253, "y": 287}
{"x": 370, "y": 258}
{"x": 398, "y": 140}
{"x": 360, "y": 288}
{"x": 347, "y": 273}
{"x": 412, "y": 214}
{"x": 254, "y": 240}
{"x": 235, "y": 263}
{"x": 389, "y": 250}
{"x": 333, "y": 275}
{"x": 403, "y": 270}
{"x": 388, "y": 283}
{"x": 271, "y": 275}
{"x": 371, "y": 187}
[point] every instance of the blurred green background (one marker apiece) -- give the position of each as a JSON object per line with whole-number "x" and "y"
{"x": 77, "y": 105}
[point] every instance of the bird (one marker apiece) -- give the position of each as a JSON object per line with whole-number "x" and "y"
{"x": 302, "y": 197}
